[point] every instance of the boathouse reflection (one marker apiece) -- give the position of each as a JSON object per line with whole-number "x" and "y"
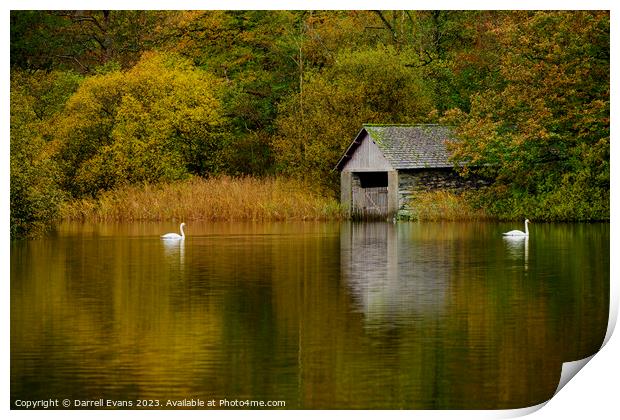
{"x": 392, "y": 277}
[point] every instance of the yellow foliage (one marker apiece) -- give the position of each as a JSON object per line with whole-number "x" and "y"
{"x": 147, "y": 124}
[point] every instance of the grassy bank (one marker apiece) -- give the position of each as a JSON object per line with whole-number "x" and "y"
{"x": 220, "y": 198}
{"x": 443, "y": 205}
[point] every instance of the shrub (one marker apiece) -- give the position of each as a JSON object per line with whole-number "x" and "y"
{"x": 443, "y": 205}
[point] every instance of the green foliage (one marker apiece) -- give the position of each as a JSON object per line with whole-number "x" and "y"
{"x": 160, "y": 120}
{"x": 543, "y": 133}
{"x": 35, "y": 195}
{"x": 82, "y": 40}
{"x": 252, "y": 51}
{"x": 441, "y": 205}
{"x": 31, "y": 43}
{"x": 316, "y": 124}
{"x": 169, "y": 94}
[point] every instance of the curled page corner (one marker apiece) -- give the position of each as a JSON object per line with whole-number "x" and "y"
{"x": 569, "y": 370}
{"x": 519, "y": 412}
{"x": 613, "y": 314}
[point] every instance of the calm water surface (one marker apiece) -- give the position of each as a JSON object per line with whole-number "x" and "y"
{"x": 319, "y": 315}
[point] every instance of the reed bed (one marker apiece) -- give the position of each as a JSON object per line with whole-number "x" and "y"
{"x": 443, "y": 206}
{"x": 218, "y": 198}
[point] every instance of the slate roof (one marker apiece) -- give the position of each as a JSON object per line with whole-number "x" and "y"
{"x": 407, "y": 146}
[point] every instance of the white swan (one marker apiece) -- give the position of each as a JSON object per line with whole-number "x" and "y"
{"x": 518, "y": 232}
{"x": 175, "y": 235}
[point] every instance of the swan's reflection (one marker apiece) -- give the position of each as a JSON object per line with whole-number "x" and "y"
{"x": 517, "y": 247}
{"x": 174, "y": 251}
{"x": 393, "y": 277}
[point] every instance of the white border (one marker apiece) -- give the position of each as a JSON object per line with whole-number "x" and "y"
{"x": 592, "y": 394}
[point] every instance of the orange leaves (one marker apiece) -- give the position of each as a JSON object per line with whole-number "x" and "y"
{"x": 530, "y": 129}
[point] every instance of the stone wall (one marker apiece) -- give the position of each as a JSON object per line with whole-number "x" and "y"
{"x": 413, "y": 181}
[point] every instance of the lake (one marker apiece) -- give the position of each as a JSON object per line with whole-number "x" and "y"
{"x": 317, "y": 315}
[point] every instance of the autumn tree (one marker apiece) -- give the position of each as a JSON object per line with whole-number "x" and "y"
{"x": 35, "y": 193}
{"x": 166, "y": 94}
{"x": 249, "y": 52}
{"x": 369, "y": 86}
{"x": 543, "y": 132}
{"x": 263, "y": 56}
{"x": 159, "y": 121}
{"x": 82, "y": 40}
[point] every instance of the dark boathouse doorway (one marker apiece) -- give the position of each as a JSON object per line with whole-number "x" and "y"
{"x": 369, "y": 195}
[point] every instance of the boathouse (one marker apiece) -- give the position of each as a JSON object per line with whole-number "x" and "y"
{"x": 386, "y": 164}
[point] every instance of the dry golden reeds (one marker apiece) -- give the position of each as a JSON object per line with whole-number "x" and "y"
{"x": 218, "y": 198}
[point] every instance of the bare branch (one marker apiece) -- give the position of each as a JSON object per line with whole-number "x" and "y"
{"x": 387, "y": 24}
{"x": 70, "y": 57}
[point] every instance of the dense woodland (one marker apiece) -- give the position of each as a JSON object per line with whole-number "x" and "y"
{"x": 103, "y": 100}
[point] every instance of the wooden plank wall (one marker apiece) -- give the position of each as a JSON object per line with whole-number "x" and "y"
{"x": 370, "y": 203}
{"x": 367, "y": 158}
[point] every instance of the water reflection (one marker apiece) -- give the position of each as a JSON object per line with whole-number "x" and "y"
{"x": 485, "y": 319}
{"x": 174, "y": 251}
{"x": 393, "y": 278}
{"x": 518, "y": 248}
{"x": 414, "y": 316}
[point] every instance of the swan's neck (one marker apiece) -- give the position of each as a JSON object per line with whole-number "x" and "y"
{"x": 183, "y": 233}
{"x": 527, "y": 232}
